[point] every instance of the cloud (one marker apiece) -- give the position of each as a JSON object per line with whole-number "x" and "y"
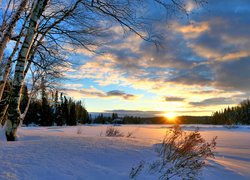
{"x": 234, "y": 75}
{"x": 84, "y": 93}
{"x": 73, "y": 86}
{"x": 95, "y": 93}
{"x": 192, "y": 30}
{"x": 213, "y": 101}
{"x": 173, "y": 99}
{"x": 223, "y": 42}
{"x": 117, "y": 93}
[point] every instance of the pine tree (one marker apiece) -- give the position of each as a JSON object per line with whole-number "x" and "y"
{"x": 56, "y": 109}
{"x": 46, "y": 119}
{"x": 72, "y": 114}
{"x": 60, "y": 120}
{"x": 114, "y": 116}
{"x": 65, "y": 111}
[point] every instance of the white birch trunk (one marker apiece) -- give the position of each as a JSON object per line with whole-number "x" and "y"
{"x": 15, "y": 96}
{"x": 23, "y": 115}
{"x": 9, "y": 62}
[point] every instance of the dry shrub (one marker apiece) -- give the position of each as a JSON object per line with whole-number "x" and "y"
{"x": 180, "y": 155}
{"x": 113, "y": 132}
{"x": 129, "y": 134}
{"x": 136, "y": 170}
{"x": 79, "y": 130}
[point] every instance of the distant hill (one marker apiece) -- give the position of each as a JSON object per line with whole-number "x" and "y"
{"x": 105, "y": 118}
{"x": 178, "y": 119}
{"x": 164, "y": 120}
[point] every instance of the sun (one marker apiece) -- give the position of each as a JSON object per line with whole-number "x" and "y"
{"x": 170, "y": 116}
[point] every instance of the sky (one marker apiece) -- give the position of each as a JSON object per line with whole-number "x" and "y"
{"x": 202, "y": 65}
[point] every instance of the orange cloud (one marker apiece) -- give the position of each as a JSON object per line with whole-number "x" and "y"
{"x": 193, "y": 30}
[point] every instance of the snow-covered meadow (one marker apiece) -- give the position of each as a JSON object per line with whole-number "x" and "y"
{"x": 84, "y": 153}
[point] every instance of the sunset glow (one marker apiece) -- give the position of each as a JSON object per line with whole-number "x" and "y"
{"x": 170, "y": 116}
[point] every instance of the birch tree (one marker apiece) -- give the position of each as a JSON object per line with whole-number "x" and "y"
{"x": 14, "y": 102}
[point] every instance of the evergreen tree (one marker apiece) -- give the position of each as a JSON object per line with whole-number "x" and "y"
{"x": 56, "y": 109}
{"x": 234, "y": 115}
{"x": 60, "y": 120}
{"x": 72, "y": 114}
{"x": 114, "y": 116}
{"x": 46, "y": 119}
{"x": 34, "y": 113}
{"x": 81, "y": 113}
{"x": 65, "y": 111}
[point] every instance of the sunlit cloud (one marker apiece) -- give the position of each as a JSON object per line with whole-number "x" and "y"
{"x": 191, "y": 5}
{"x": 192, "y": 30}
{"x": 213, "y": 101}
{"x": 173, "y": 99}
{"x": 80, "y": 92}
{"x": 118, "y": 93}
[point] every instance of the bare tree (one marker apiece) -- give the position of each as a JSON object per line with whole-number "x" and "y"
{"x": 14, "y": 102}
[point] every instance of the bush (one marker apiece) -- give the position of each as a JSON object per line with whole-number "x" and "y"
{"x": 180, "y": 155}
{"x": 79, "y": 129}
{"x": 130, "y": 135}
{"x": 113, "y": 132}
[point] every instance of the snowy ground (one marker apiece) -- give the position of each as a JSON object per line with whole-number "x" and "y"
{"x": 83, "y": 153}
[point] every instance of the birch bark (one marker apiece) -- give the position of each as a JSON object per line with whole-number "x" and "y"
{"x": 9, "y": 61}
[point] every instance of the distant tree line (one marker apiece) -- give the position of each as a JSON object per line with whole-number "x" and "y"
{"x": 239, "y": 114}
{"x": 55, "y": 111}
{"x": 115, "y": 119}
{"x": 178, "y": 120}
{"x": 101, "y": 119}
{"x": 51, "y": 108}
{"x": 233, "y": 115}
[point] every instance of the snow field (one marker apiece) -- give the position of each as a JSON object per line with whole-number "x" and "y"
{"x": 84, "y": 153}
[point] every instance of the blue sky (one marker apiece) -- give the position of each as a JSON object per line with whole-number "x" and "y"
{"x": 202, "y": 66}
